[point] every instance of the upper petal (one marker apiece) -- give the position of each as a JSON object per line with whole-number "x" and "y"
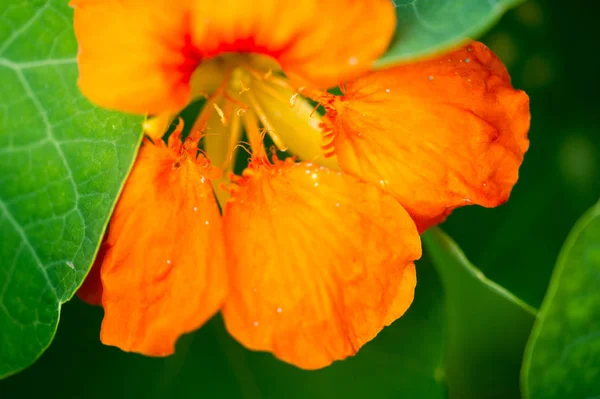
{"x": 436, "y": 134}
{"x": 163, "y": 274}
{"x": 319, "y": 262}
{"x": 138, "y": 55}
{"x": 134, "y": 55}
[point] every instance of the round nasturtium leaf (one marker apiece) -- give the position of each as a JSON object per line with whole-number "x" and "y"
{"x": 427, "y": 27}
{"x": 563, "y": 354}
{"x": 62, "y": 165}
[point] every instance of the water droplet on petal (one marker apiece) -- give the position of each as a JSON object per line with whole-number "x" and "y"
{"x": 255, "y": 324}
{"x": 430, "y": 77}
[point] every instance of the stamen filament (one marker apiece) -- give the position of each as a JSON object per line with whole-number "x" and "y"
{"x": 254, "y": 135}
{"x": 265, "y": 121}
{"x": 201, "y": 122}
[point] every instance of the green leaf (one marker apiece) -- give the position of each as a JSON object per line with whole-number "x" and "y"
{"x": 426, "y": 27}
{"x": 487, "y": 326}
{"x": 62, "y": 164}
{"x": 563, "y": 354}
{"x": 403, "y": 361}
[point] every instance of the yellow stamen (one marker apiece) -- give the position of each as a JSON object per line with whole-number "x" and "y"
{"x": 265, "y": 122}
{"x": 221, "y": 148}
{"x": 221, "y": 113}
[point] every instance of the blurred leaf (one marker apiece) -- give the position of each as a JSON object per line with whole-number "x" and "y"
{"x": 563, "y": 354}
{"x": 402, "y": 361}
{"x": 62, "y": 164}
{"x": 426, "y": 27}
{"x": 487, "y": 326}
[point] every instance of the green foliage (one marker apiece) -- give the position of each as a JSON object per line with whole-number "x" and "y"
{"x": 426, "y": 27}
{"x": 62, "y": 164}
{"x": 487, "y": 326}
{"x": 563, "y": 354}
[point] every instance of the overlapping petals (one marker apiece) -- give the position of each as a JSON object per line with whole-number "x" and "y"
{"x": 307, "y": 262}
{"x": 139, "y": 55}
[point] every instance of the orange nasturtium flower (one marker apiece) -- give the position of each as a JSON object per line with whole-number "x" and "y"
{"x": 312, "y": 255}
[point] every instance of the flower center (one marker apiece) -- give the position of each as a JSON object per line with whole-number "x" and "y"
{"x": 248, "y": 93}
{"x": 253, "y": 93}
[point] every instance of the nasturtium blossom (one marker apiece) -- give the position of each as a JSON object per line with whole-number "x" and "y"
{"x": 307, "y": 257}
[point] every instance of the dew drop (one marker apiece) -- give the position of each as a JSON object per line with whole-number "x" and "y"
{"x": 168, "y": 261}
{"x": 467, "y": 60}
{"x": 430, "y": 77}
{"x": 255, "y": 323}
{"x": 316, "y": 184}
{"x": 195, "y": 209}
{"x": 206, "y": 222}
{"x": 279, "y": 310}
{"x": 337, "y": 204}
{"x": 314, "y": 176}
{"x": 307, "y": 171}
{"x": 387, "y": 90}
{"x": 352, "y": 60}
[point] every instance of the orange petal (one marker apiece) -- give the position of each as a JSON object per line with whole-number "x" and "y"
{"x": 164, "y": 272}
{"x": 91, "y": 290}
{"x": 319, "y": 262}
{"x": 437, "y": 134}
{"x": 134, "y": 55}
{"x": 138, "y": 55}
{"x": 320, "y": 41}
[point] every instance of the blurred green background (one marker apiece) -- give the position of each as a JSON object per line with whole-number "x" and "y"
{"x": 550, "y": 50}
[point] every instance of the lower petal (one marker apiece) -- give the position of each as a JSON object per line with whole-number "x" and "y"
{"x": 436, "y": 134}
{"x": 164, "y": 271}
{"x": 319, "y": 262}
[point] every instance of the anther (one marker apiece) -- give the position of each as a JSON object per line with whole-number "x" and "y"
{"x": 293, "y": 99}
{"x": 221, "y": 114}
